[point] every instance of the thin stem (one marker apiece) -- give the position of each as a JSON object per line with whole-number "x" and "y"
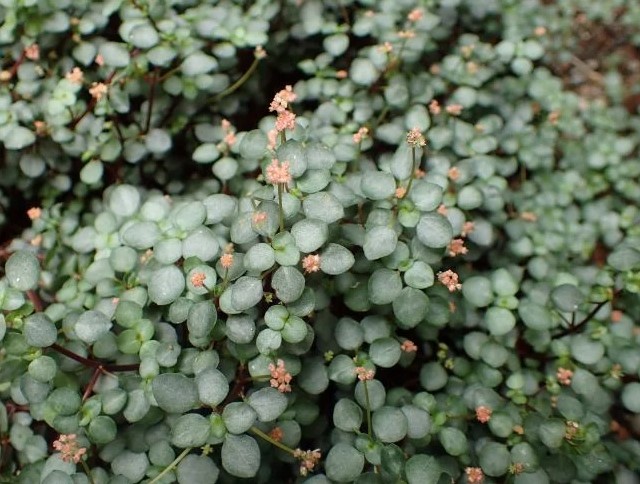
{"x": 576, "y": 327}
{"x": 175, "y": 462}
{"x": 266, "y": 437}
{"x": 87, "y": 471}
{"x": 366, "y": 396}
{"x": 236, "y": 85}
{"x": 92, "y": 363}
{"x": 413, "y": 170}
{"x": 35, "y": 300}
{"x": 283, "y": 137}
{"x": 92, "y": 382}
{"x": 152, "y": 91}
{"x": 280, "y": 210}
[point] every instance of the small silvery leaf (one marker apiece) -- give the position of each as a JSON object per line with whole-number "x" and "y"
{"x": 91, "y": 325}
{"x": 240, "y": 456}
{"x": 23, "y": 270}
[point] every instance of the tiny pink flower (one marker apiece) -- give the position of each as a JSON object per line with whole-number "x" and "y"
{"x": 278, "y": 172}
{"x": 276, "y": 434}
{"x": 259, "y": 217}
{"x": 361, "y": 134}
{"x": 406, "y": 34}
{"x": 454, "y": 109}
{"x": 408, "y": 346}
{"x": 400, "y": 192}
{"x": 564, "y": 376}
{"x": 282, "y": 99}
{"x": 308, "y": 459}
{"x": 474, "y": 475}
{"x": 364, "y": 374}
{"x": 69, "y": 448}
{"x": 442, "y": 209}
{"x": 449, "y": 279}
{"x": 456, "y": 247}
{"x": 285, "y": 120}
{"x": 32, "y": 52}
{"x": 99, "y": 60}
{"x": 41, "y": 127}
{"x": 467, "y": 228}
{"x": 419, "y": 173}
{"x": 197, "y": 279}
{"x": 434, "y": 107}
{"x": 528, "y": 216}
{"x": 483, "y": 414}
{"x": 453, "y": 173}
{"x": 415, "y": 15}
{"x": 98, "y": 90}
{"x": 415, "y": 138}
{"x": 280, "y": 377}
{"x": 230, "y": 138}
{"x": 34, "y": 213}
{"x": 75, "y": 76}
{"x": 226, "y": 261}
{"x": 385, "y": 48}
{"x": 341, "y": 74}
{"x": 259, "y": 52}
{"x": 272, "y": 138}
{"x": 311, "y": 263}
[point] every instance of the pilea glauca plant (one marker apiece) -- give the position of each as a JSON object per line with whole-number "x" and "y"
{"x": 317, "y": 241}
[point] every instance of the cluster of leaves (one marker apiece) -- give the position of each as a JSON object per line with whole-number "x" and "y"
{"x": 398, "y": 274}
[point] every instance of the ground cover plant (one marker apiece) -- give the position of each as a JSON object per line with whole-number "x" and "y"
{"x": 319, "y": 241}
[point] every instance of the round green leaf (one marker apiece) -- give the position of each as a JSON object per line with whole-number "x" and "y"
{"x": 246, "y": 292}
{"x": 385, "y": 352}
{"x": 240, "y": 456}
{"x": 114, "y": 54}
{"x": 309, "y": 234}
{"x": 631, "y": 397}
{"x": 288, "y": 283}
{"x": 454, "y": 441}
{"x": 268, "y": 403}
{"x": 534, "y": 316}
{"x": 336, "y": 259}
{"x": 22, "y": 270}
{"x": 434, "y": 230}
{"x": 238, "y": 417}
{"x": 421, "y": 469}
{"x": 494, "y": 459}
{"x": 124, "y": 200}
{"x": 384, "y": 286}
{"x": 91, "y": 325}
{"x": 190, "y": 430}
{"x": 586, "y": 350}
{"x": 343, "y": 463}
{"x": 323, "y": 206}
{"x": 425, "y": 195}
{"x": 567, "y": 297}
{"x": 213, "y": 386}
{"x": 39, "y": 330}
{"x": 389, "y": 424}
{"x": 410, "y": 307}
{"x": 174, "y": 392}
{"x": 379, "y": 241}
{"x": 347, "y": 415}
{"x": 499, "y": 321}
{"x": 377, "y": 185}
{"x": 166, "y": 285}
{"x": 197, "y": 468}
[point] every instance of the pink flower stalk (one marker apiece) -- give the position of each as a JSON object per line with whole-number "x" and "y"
{"x": 415, "y": 138}
{"x": 474, "y": 475}
{"x": 456, "y": 247}
{"x": 364, "y": 374}
{"x": 69, "y": 448}
{"x": 453, "y": 173}
{"x": 483, "y": 414}
{"x": 98, "y": 90}
{"x": 311, "y": 263}
{"x": 34, "y": 213}
{"x": 434, "y": 107}
{"x": 226, "y": 261}
{"x": 285, "y": 120}
{"x": 282, "y": 99}
{"x": 415, "y": 15}
{"x": 467, "y": 228}
{"x": 272, "y": 137}
{"x": 308, "y": 459}
{"x": 198, "y": 278}
{"x": 75, "y": 76}
{"x": 361, "y": 134}
{"x": 408, "y": 346}
{"x": 278, "y": 172}
{"x": 449, "y": 279}
{"x": 454, "y": 109}
{"x": 280, "y": 377}
{"x": 32, "y": 52}
{"x": 564, "y": 376}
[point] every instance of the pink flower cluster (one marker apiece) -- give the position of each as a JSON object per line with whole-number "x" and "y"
{"x": 308, "y": 459}
{"x": 415, "y": 138}
{"x": 483, "y": 414}
{"x": 364, "y": 374}
{"x": 69, "y": 448}
{"x": 278, "y": 173}
{"x": 474, "y": 475}
{"x": 280, "y": 377}
{"x": 286, "y": 119}
{"x": 564, "y": 376}
{"x": 449, "y": 279}
{"x": 456, "y": 247}
{"x": 311, "y": 263}
{"x": 408, "y": 346}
